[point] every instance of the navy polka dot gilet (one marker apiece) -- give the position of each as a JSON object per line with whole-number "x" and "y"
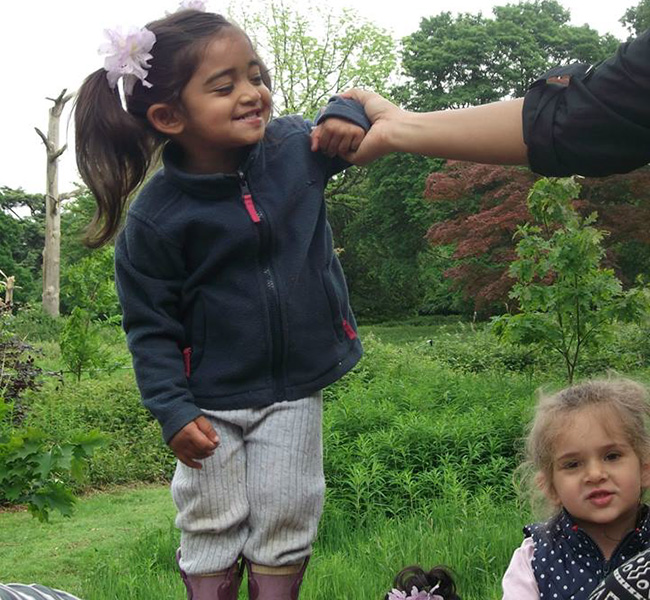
{"x": 568, "y": 565}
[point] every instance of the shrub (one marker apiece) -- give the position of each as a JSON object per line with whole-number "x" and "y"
{"x": 32, "y": 467}
{"x": 404, "y": 429}
{"x": 134, "y": 450}
{"x": 82, "y": 347}
{"x": 569, "y": 302}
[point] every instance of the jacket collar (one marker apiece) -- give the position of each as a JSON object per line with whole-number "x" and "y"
{"x": 211, "y": 185}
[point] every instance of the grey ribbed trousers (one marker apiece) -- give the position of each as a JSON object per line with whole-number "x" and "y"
{"x": 261, "y": 494}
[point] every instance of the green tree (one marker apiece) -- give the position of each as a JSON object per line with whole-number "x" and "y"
{"x": 315, "y": 53}
{"x": 21, "y": 241}
{"x": 88, "y": 284}
{"x": 569, "y": 302}
{"x": 637, "y": 18}
{"x": 381, "y": 233}
{"x": 470, "y": 59}
{"x": 76, "y": 214}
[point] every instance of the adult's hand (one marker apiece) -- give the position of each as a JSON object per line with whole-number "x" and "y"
{"x": 383, "y": 115}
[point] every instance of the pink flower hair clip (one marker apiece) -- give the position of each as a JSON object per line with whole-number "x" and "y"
{"x": 193, "y": 5}
{"x": 127, "y": 56}
{"x": 415, "y": 594}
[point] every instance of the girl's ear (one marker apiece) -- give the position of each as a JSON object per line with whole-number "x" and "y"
{"x": 166, "y": 119}
{"x": 546, "y": 487}
{"x": 645, "y": 475}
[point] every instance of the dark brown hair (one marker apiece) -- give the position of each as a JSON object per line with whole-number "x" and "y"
{"x": 437, "y": 580}
{"x": 116, "y": 147}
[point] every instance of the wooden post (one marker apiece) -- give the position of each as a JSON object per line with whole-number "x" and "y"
{"x": 52, "y": 248}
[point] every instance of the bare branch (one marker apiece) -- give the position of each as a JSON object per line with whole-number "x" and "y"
{"x": 43, "y": 137}
{"x": 59, "y": 152}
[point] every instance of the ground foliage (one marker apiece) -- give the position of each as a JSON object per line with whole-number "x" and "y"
{"x": 33, "y": 467}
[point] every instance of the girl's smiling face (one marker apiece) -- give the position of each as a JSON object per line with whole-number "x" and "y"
{"x": 225, "y": 105}
{"x": 597, "y": 475}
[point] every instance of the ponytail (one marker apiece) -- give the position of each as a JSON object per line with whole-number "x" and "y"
{"x": 117, "y": 145}
{"x": 114, "y": 151}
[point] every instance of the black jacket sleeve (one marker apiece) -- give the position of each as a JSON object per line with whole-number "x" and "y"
{"x": 598, "y": 124}
{"x": 149, "y": 274}
{"x": 350, "y": 110}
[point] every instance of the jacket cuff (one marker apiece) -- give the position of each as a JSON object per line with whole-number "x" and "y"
{"x": 345, "y": 108}
{"x": 173, "y": 419}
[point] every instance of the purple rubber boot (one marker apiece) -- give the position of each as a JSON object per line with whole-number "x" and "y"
{"x": 224, "y": 586}
{"x": 274, "y": 587}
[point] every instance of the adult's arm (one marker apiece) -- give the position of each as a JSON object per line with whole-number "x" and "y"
{"x": 490, "y": 133}
{"x": 597, "y": 124}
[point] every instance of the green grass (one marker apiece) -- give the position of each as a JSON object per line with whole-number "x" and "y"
{"x": 120, "y": 545}
{"x": 420, "y": 444}
{"x": 61, "y": 553}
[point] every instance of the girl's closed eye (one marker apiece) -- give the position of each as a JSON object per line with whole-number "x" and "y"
{"x": 569, "y": 464}
{"x": 223, "y": 89}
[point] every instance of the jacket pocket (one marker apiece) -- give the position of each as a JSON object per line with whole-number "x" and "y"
{"x": 195, "y": 343}
{"x": 334, "y": 304}
{"x": 338, "y": 302}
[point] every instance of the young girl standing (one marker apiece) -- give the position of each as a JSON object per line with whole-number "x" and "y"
{"x": 590, "y": 448}
{"x": 234, "y": 303}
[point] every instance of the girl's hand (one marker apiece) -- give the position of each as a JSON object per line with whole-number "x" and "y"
{"x": 336, "y": 136}
{"x": 384, "y": 116}
{"x": 195, "y": 441}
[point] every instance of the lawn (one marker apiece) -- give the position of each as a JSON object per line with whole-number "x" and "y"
{"x": 421, "y": 442}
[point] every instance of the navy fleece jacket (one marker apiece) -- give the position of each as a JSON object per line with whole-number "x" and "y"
{"x": 231, "y": 292}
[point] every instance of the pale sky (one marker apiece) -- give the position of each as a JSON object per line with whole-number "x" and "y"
{"x": 48, "y": 45}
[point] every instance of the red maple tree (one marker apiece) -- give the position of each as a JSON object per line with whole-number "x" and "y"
{"x": 482, "y": 206}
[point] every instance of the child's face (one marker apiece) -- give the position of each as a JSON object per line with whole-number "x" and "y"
{"x": 225, "y": 105}
{"x": 597, "y": 475}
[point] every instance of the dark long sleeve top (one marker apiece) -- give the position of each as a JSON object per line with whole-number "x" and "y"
{"x": 231, "y": 291}
{"x": 598, "y": 124}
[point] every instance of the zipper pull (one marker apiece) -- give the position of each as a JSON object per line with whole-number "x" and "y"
{"x": 248, "y": 199}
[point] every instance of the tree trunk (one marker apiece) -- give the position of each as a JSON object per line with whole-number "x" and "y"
{"x": 10, "y": 285}
{"x": 52, "y": 249}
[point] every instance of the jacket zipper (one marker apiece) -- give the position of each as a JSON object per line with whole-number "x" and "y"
{"x": 606, "y": 564}
{"x": 272, "y": 295}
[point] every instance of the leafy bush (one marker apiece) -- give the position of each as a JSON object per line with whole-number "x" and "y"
{"x": 134, "y": 450}
{"x": 30, "y": 322}
{"x": 404, "y": 429}
{"x": 32, "y": 470}
{"x": 32, "y": 467}
{"x": 569, "y": 302}
{"x": 88, "y": 284}
{"x": 82, "y": 347}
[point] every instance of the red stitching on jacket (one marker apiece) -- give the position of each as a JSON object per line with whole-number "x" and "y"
{"x": 351, "y": 333}
{"x": 250, "y": 207}
{"x": 187, "y": 360}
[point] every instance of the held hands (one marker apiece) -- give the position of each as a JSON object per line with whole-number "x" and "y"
{"x": 195, "y": 441}
{"x": 384, "y": 116}
{"x": 336, "y": 136}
